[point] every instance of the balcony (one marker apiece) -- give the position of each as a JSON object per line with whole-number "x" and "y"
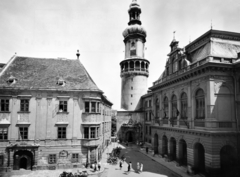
{"x": 90, "y": 142}
{"x": 136, "y": 70}
{"x": 23, "y": 118}
{"x": 4, "y": 118}
{"x": 215, "y": 124}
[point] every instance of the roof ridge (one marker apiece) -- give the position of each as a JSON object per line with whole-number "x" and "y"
{"x": 8, "y": 64}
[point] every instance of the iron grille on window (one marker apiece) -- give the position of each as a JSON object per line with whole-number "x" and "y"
{"x": 23, "y": 133}
{"x": 52, "y": 158}
{"x": 3, "y": 133}
{"x": 24, "y": 105}
{"x": 62, "y": 132}
{"x": 4, "y": 105}
{"x": 75, "y": 158}
{"x": 62, "y": 106}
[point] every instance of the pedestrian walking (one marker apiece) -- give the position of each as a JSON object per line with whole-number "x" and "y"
{"x": 138, "y": 167}
{"x": 141, "y": 167}
{"x": 129, "y": 166}
{"x": 95, "y": 166}
{"x": 120, "y": 165}
{"x": 99, "y": 166}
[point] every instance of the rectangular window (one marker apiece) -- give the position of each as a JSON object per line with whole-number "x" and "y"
{"x": 24, "y": 105}
{"x": 52, "y": 158}
{"x": 150, "y": 130}
{"x": 87, "y": 108}
{"x": 98, "y": 107}
{"x": 98, "y": 132}
{"x": 75, "y": 158}
{"x": 150, "y": 116}
{"x": 23, "y": 133}
{"x": 4, "y": 105}
{"x": 62, "y": 106}
{"x": 3, "y": 134}
{"x": 93, "y": 104}
{"x": 146, "y": 130}
{"x": 133, "y": 52}
{"x": 150, "y": 103}
{"x": 93, "y": 132}
{"x": 62, "y": 132}
{"x": 86, "y": 132}
{"x": 1, "y": 160}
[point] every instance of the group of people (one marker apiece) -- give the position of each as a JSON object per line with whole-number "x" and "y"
{"x": 96, "y": 166}
{"x": 139, "y": 166}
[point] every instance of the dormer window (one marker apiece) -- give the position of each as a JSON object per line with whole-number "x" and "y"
{"x": 61, "y": 82}
{"x": 11, "y": 80}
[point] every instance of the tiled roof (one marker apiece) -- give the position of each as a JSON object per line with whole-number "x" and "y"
{"x": 43, "y": 73}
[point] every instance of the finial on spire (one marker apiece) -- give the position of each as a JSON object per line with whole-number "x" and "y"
{"x": 211, "y": 24}
{"x": 190, "y": 39}
{"x": 78, "y": 54}
{"x": 134, "y": 1}
{"x": 174, "y": 35}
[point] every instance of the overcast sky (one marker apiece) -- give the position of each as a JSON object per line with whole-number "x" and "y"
{"x": 57, "y": 28}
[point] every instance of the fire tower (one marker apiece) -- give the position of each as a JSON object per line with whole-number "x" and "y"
{"x": 134, "y": 68}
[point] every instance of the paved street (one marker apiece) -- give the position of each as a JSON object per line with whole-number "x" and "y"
{"x": 150, "y": 167}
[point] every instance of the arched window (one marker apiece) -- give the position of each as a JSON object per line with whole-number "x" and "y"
{"x": 157, "y": 108}
{"x": 165, "y": 105}
{"x": 184, "y": 106}
{"x": 200, "y": 104}
{"x": 133, "y": 49}
{"x": 174, "y": 107}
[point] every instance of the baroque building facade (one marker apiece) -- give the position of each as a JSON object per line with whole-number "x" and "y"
{"x": 52, "y": 115}
{"x": 192, "y": 110}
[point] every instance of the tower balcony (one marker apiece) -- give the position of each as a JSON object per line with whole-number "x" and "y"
{"x": 134, "y": 71}
{"x": 136, "y": 66}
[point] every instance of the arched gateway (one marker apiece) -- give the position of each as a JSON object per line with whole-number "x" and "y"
{"x": 23, "y": 159}
{"x": 156, "y": 143}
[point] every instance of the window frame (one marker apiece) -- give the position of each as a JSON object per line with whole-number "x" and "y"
{"x": 184, "y": 106}
{"x": 3, "y": 136}
{"x": 165, "y": 107}
{"x": 63, "y": 106}
{"x": 4, "y": 107}
{"x": 52, "y": 158}
{"x": 174, "y": 106}
{"x": 62, "y": 132}
{"x": 200, "y": 104}
{"x": 24, "y": 105}
{"x": 75, "y": 157}
{"x": 23, "y": 132}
